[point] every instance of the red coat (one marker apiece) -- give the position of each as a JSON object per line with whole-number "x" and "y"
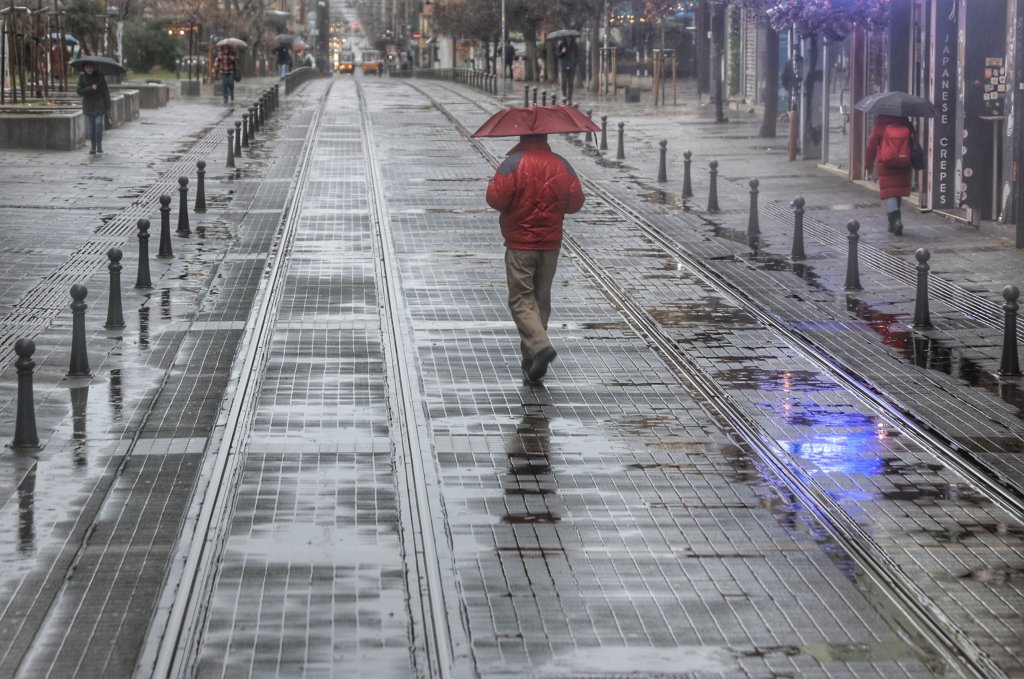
{"x": 533, "y": 190}
{"x": 892, "y": 181}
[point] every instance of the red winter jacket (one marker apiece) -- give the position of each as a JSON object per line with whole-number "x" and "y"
{"x": 892, "y": 181}
{"x": 533, "y": 190}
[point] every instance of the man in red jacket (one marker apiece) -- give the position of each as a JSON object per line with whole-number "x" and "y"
{"x": 533, "y": 190}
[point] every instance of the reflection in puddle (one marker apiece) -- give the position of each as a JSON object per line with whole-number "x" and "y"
{"x": 115, "y": 394}
{"x": 529, "y": 477}
{"x": 79, "y": 405}
{"x": 932, "y": 353}
{"x": 763, "y": 379}
{"x": 26, "y": 509}
{"x": 144, "y": 326}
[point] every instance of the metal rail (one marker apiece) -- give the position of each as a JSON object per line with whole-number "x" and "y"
{"x": 209, "y": 514}
{"x": 924, "y": 616}
{"x": 432, "y": 588}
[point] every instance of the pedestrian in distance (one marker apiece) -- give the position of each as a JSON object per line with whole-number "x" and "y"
{"x": 510, "y": 57}
{"x": 92, "y": 87}
{"x": 226, "y": 66}
{"x": 284, "y": 57}
{"x": 889, "y": 152}
{"x": 567, "y": 59}
{"x": 533, "y": 189}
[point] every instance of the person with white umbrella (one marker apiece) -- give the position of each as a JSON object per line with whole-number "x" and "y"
{"x": 226, "y": 66}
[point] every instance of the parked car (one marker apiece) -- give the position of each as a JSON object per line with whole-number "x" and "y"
{"x": 347, "y": 62}
{"x": 372, "y": 62}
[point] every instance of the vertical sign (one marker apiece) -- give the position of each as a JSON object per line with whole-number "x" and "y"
{"x": 942, "y": 87}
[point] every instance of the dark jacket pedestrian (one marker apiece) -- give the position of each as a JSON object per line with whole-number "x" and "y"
{"x": 533, "y": 189}
{"x": 888, "y": 151}
{"x": 284, "y": 59}
{"x": 567, "y": 60}
{"x": 92, "y": 87}
{"x": 510, "y": 58}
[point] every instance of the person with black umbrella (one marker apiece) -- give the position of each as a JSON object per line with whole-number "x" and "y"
{"x": 892, "y": 148}
{"x": 92, "y": 87}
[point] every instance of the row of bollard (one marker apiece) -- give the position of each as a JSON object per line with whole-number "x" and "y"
{"x": 1009, "y": 365}
{"x": 245, "y": 130}
{"x": 25, "y": 434}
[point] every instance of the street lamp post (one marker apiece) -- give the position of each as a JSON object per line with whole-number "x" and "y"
{"x": 501, "y": 52}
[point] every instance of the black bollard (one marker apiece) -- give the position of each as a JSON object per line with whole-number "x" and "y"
{"x": 142, "y": 279}
{"x": 252, "y": 122}
{"x": 534, "y": 95}
{"x": 165, "y": 228}
{"x": 231, "y": 148}
{"x": 79, "y": 355}
{"x": 183, "y": 227}
{"x": 245, "y": 130}
{"x": 200, "y": 186}
{"x": 620, "y": 152}
{"x": 544, "y": 98}
{"x": 526, "y": 96}
{"x": 25, "y": 435}
{"x": 753, "y": 223}
{"x": 238, "y": 138}
{"x": 589, "y": 138}
{"x": 713, "y": 188}
{"x": 922, "y": 319}
{"x": 1009, "y": 366}
{"x": 852, "y": 265}
{"x": 604, "y": 133}
{"x": 662, "y": 172}
{"x": 687, "y": 184}
{"x": 115, "y": 317}
{"x": 798, "y": 229}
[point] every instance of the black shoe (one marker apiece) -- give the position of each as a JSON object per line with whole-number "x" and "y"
{"x": 99, "y": 151}
{"x": 897, "y": 226}
{"x": 526, "y": 363}
{"x": 92, "y": 152}
{"x": 539, "y": 367}
{"x": 892, "y": 221}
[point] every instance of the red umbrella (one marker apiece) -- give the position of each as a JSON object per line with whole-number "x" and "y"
{"x": 513, "y": 122}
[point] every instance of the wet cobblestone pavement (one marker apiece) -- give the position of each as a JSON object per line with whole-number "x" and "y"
{"x": 693, "y": 491}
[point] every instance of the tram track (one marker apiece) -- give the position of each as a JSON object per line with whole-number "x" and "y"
{"x": 922, "y": 614}
{"x": 443, "y": 645}
{"x": 439, "y": 641}
{"x": 174, "y": 640}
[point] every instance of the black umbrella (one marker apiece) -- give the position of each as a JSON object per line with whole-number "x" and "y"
{"x": 287, "y": 39}
{"x": 896, "y": 104}
{"x": 563, "y": 33}
{"x": 103, "y": 65}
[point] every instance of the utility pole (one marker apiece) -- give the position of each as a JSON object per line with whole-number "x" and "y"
{"x": 718, "y": 40}
{"x": 1016, "y": 123}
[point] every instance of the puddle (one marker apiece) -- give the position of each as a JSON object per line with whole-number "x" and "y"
{"x": 801, "y": 269}
{"x": 711, "y": 311}
{"x": 931, "y": 353}
{"x": 637, "y": 661}
{"x": 996, "y": 576}
{"x": 763, "y": 379}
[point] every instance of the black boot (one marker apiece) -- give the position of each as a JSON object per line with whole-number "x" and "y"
{"x": 892, "y": 220}
{"x": 897, "y": 227}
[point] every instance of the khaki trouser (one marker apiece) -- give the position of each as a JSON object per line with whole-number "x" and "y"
{"x": 530, "y": 274}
